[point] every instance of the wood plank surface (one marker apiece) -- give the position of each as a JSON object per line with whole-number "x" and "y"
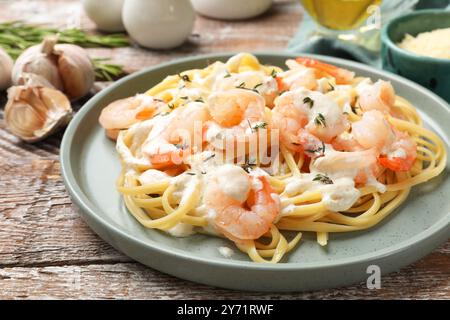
{"x": 47, "y": 251}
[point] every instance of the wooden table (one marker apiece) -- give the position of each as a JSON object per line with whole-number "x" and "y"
{"x": 47, "y": 251}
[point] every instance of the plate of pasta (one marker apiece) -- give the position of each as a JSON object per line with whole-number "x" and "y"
{"x": 263, "y": 172}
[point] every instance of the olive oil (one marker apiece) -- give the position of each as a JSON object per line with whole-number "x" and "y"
{"x": 339, "y": 14}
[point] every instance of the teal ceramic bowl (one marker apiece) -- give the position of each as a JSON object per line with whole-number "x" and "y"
{"x": 432, "y": 73}
{"x": 90, "y": 166}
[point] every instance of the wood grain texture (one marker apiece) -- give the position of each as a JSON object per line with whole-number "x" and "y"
{"x": 47, "y": 251}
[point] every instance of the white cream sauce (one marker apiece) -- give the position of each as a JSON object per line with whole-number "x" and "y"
{"x": 339, "y": 196}
{"x": 319, "y": 105}
{"x": 226, "y": 252}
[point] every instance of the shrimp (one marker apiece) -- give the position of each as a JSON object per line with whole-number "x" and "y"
{"x": 346, "y": 142}
{"x": 373, "y": 131}
{"x": 234, "y": 114}
{"x": 378, "y": 96}
{"x": 323, "y": 69}
{"x": 306, "y": 118}
{"x": 362, "y": 165}
{"x": 298, "y": 76}
{"x": 243, "y": 203}
{"x": 176, "y": 137}
{"x": 397, "y": 150}
{"x": 401, "y": 154}
{"x": 257, "y": 81}
{"x": 123, "y": 113}
{"x": 291, "y": 122}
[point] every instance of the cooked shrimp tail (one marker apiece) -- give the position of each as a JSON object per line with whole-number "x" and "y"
{"x": 342, "y": 76}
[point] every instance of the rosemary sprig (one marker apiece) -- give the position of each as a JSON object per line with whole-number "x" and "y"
{"x": 16, "y": 36}
{"x": 105, "y": 71}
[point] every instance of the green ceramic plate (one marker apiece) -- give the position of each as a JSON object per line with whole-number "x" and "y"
{"x": 90, "y": 166}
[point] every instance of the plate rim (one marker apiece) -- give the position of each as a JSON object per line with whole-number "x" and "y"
{"x": 79, "y": 198}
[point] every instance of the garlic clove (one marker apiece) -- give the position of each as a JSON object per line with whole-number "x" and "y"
{"x": 34, "y": 80}
{"x": 6, "y": 65}
{"x": 76, "y": 70}
{"x": 38, "y": 60}
{"x": 33, "y": 113}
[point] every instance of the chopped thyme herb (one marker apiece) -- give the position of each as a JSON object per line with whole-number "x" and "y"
{"x": 181, "y": 146}
{"x": 323, "y": 179}
{"x": 308, "y": 100}
{"x": 184, "y": 77}
{"x": 273, "y": 73}
{"x": 345, "y": 113}
{"x": 162, "y": 114}
{"x": 210, "y": 157}
{"x": 247, "y": 166}
{"x": 250, "y": 125}
{"x": 190, "y": 173}
{"x": 262, "y": 125}
{"x": 241, "y": 86}
{"x": 227, "y": 75}
{"x": 258, "y": 85}
{"x": 199, "y": 100}
{"x": 331, "y": 86}
{"x": 203, "y": 172}
{"x": 171, "y": 106}
{"x": 320, "y": 149}
{"x": 320, "y": 120}
{"x": 355, "y": 108}
{"x": 184, "y": 98}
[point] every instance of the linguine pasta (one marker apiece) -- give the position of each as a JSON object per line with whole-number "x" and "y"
{"x": 327, "y": 152}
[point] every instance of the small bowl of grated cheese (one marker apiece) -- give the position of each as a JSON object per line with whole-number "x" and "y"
{"x": 417, "y": 46}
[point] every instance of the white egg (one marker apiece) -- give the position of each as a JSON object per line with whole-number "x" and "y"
{"x": 106, "y": 14}
{"x": 158, "y": 24}
{"x": 231, "y": 9}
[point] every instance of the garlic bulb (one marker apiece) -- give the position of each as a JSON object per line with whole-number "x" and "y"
{"x": 76, "y": 70}
{"x": 6, "y": 65}
{"x": 39, "y": 61}
{"x": 65, "y": 67}
{"x": 33, "y": 113}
